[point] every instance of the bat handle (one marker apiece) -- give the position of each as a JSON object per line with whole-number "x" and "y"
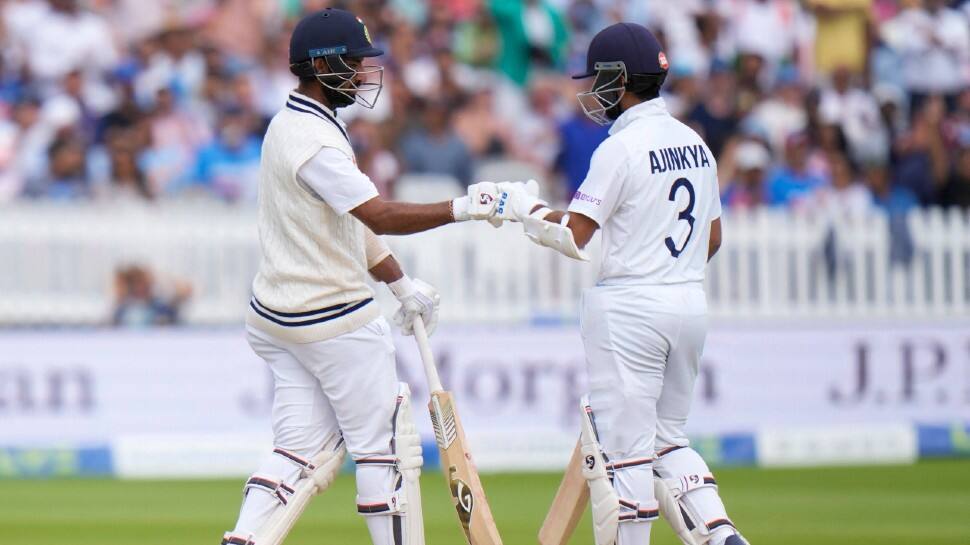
{"x": 427, "y": 358}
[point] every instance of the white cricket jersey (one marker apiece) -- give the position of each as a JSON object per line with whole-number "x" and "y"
{"x": 652, "y": 189}
{"x": 312, "y": 278}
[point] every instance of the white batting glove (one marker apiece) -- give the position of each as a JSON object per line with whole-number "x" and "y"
{"x": 479, "y": 204}
{"x": 417, "y": 298}
{"x": 516, "y": 201}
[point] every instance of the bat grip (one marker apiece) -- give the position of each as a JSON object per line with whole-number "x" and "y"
{"x": 427, "y": 358}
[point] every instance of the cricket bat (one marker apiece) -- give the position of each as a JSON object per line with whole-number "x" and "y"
{"x": 466, "y": 489}
{"x": 568, "y": 505}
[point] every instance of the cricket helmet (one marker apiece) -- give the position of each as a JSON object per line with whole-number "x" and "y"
{"x": 336, "y": 35}
{"x": 622, "y": 57}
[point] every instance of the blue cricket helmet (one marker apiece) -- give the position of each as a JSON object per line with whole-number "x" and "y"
{"x": 336, "y": 35}
{"x": 632, "y": 44}
{"x": 622, "y": 57}
{"x": 331, "y": 32}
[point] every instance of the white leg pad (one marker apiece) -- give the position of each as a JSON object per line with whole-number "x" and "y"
{"x": 317, "y": 475}
{"x": 402, "y": 504}
{"x": 687, "y": 493}
{"x": 407, "y": 449}
{"x": 670, "y": 509}
{"x": 603, "y": 499}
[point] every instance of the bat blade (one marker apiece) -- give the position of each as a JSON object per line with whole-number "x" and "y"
{"x": 467, "y": 493}
{"x": 569, "y": 504}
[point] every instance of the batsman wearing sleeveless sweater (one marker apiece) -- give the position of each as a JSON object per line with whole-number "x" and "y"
{"x": 312, "y": 316}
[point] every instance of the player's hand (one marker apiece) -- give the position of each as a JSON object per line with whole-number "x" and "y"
{"x": 515, "y": 201}
{"x": 479, "y": 204}
{"x": 417, "y": 298}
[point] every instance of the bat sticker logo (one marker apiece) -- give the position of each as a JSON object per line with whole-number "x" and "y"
{"x": 590, "y": 461}
{"x": 464, "y": 500}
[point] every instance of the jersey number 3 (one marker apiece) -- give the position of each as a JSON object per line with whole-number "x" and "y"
{"x": 684, "y": 215}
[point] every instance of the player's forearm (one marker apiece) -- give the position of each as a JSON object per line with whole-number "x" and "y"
{"x": 400, "y": 218}
{"x": 712, "y": 249}
{"x": 554, "y": 216}
{"x": 387, "y": 270}
{"x": 714, "y": 242}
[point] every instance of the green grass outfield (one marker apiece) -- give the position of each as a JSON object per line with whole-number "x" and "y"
{"x": 923, "y": 504}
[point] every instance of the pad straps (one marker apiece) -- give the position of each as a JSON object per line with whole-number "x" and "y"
{"x": 280, "y": 490}
{"x": 632, "y": 511}
{"x": 236, "y": 539}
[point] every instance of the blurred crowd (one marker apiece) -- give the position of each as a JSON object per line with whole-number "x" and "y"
{"x": 833, "y": 106}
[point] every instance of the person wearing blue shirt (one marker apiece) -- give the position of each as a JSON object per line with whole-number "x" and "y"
{"x": 792, "y": 182}
{"x": 229, "y": 165}
{"x": 579, "y": 137}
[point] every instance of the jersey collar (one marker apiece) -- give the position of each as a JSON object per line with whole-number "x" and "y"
{"x": 649, "y": 108}
{"x": 301, "y": 103}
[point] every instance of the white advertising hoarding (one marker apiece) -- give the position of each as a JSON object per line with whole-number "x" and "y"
{"x": 517, "y": 388}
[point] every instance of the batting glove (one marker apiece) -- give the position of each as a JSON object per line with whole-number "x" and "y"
{"x": 479, "y": 204}
{"x": 516, "y": 201}
{"x": 417, "y": 298}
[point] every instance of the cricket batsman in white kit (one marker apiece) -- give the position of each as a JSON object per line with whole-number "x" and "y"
{"x": 313, "y": 318}
{"x": 652, "y": 189}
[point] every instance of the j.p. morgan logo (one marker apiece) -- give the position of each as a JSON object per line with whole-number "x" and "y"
{"x": 464, "y": 500}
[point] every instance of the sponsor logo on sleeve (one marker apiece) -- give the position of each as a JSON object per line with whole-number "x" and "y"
{"x": 580, "y": 196}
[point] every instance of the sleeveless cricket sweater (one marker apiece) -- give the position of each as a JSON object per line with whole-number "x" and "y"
{"x": 311, "y": 284}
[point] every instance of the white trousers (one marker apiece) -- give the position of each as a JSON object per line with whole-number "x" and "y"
{"x": 643, "y": 347}
{"x": 347, "y": 384}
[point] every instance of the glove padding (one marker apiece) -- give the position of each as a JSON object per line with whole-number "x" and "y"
{"x": 479, "y": 204}
{"x": 515, "y": 201}
{"x": 418, "y": 298}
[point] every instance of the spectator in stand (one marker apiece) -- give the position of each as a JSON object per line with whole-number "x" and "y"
{"x": 229, "y": 165}
{"x": 128, "y": 182}
{"x": 846, "y": 198}
{"x": 66, "y": 172}
{"x": 887, "y": 196}
{"x": 715, "y": 117}
{"x": 22, "y": 148}
{"x": 140, "y": 303}
{"x": 579, "y": 137}
{"x": 434, "y": 147}
{"x": 479, "y": 127}
{"x": 933, "y": 42}
{"x": 39, "y": 30}
{"x": 766, "y": 29}
{"x": 682, "y": 91}
{"x": 783, "y": 112}
{"x": 533, "y": 34}
{"x": 841, "y": 35}
{"x": 87, "y": 104}
{"x": 737, "y": 66}
{"x": 476, "y": 40}
{"x": 793, "y": 184}
{"x": 745, "y": 189}
{"x": 536, "y": 127}
{"x": 175, "y": 138}
{"x": 856, "y": 112}
{"x": 921, "y": 160}
{"x": 896, "y": 202}
{"x": 373, "y": 157}
{"x": 956, "y": 192}
{"x": 176, "y": 64}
